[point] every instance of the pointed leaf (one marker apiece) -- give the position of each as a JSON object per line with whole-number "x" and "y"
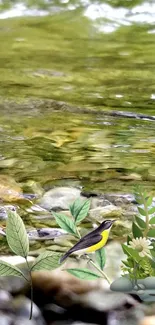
{"x": 152, "y": 221}
{"x": 141, "y": 223}
{"x": 139, "y": 200}
{"x": 100, "y": 257}
{"x": 128, "y": 239}
{"x": 84, "y": 274}
{"x": 151, "y": 233}
{"x": 142, "y": 211}
{"x": 136, "y": 231}
{"x": 46, "y": 261}
{"x": 74, "y": 207}
{"x": 16, "y": 234}
{"x": 152, "y": 210}
{"x": 149, "y": 201}
{"x": 79, "y": 209}
{"x": 65, "y": 222}
{"x": 128, "y": 263}
{"x": 7, "y": 269}
{"x": 131, "y": 252}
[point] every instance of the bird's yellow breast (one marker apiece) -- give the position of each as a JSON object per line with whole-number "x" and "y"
{"x": 101, "y": 243}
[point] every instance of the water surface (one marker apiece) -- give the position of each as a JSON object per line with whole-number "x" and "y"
{"x": 90, "y": 55}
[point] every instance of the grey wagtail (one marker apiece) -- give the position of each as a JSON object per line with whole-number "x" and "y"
{"x": 93, "y": 241}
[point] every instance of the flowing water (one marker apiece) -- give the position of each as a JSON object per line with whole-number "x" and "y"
{"x": 91, "y": 55}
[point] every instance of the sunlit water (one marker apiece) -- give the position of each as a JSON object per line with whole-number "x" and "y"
{"x": 100, "y": 57}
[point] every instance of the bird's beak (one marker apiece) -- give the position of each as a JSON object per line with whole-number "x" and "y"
{"x": 114, "y": 220}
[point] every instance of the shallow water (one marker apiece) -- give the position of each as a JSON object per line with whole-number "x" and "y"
{"x": 94, "y": 56}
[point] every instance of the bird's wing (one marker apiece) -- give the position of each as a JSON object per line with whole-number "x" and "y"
{"x": 86, "y": 241}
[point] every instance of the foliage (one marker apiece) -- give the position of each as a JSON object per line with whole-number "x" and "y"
{"x": 84, "y": 274}
{"x": 79, "y": 210}
{"x": 139, "y": 249}
{"x": 18, "y": 242}
{"x": 139, "y": 265}
{"x": 17, "y": 239}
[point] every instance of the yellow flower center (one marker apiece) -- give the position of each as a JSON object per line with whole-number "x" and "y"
{"x": 139, "y": 248}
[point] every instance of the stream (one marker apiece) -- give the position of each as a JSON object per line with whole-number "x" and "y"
{"x": 77, "y": 102}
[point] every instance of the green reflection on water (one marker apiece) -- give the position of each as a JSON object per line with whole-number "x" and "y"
{"x": 65, "y": 57}
{"x": 104, "y": 152}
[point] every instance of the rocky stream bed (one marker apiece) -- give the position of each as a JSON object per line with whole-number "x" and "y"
{"x": 60, "y": 298}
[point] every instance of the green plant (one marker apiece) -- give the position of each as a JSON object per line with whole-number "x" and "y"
{"x": 140, "y": 246}
{"x": 18, "y": 242}
{"x": 79, "y": 210}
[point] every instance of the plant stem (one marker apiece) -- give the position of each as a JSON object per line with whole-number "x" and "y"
{"x": 92, "y": 263}
{"x": 146, "y": 217}
{"x": 97, "y": 268}
{"x": 78, "y": 233}
{"x": 135, "y": 273}
{"x": 31, "y": 285}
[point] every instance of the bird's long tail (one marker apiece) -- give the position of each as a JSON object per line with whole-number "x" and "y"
{"x": 66, "y": 255}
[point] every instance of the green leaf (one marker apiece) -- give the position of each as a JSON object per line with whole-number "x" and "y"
{"x": 16, "y": 234}
{"x": 152, "y": 221}
{"x": 142, "y": 211}
{"x": 149, "y": 200}
{"x": 79, "y": 209}
{"x": 65, "y": 222}
{"x": 128, "y": 239}
{"x": 84, "y": 274}
{"x": 126, "y": 263}
{"x": 139, "y": 200}
{"x": 136, "y": 231}
{"x": 7, "y": 269}
{"x": 152, "y": 210}
{"x": 100, "y": 257}
{"x": 131, "y": 252}
{"x": 46, "y": 261}
{"x": 151, "y": 233}
{"x": 141, "y": 223}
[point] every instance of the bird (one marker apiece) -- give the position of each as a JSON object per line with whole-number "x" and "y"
{"x": 91, "y": 242}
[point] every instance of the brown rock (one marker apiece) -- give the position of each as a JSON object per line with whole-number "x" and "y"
{"x": 48, "y": 285}
{"x": 10, "y": 191}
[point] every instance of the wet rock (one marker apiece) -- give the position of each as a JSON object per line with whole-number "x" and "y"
{"x": 99, "y": 306}
{"x": 149, "y": 282}
{"x": 45, "y": 233}
{"x": 22, "y": 307}
{"x": 10, "y": 191}
{"x": 50, "y": 284}
{"x": 114, "y": 256}
{"x": 54, "y": 312}
{"x": 109, "y": 211}
{"x": 25, "y": 321}
{"x": 6, "y": 319}
{"x": 105, "y": 301}
{"x": 12, "y": 284}
{"x": 99, "y": 201}
{"x": 5, "y": 297}
{"x": 122, "y": 284}
{"x": 60, "y": 198}
{"x": 17, "y": 260}
{"x": 37, "y": 209}
{"x": 120, "y": 199}
{"x": 3, "y": 211}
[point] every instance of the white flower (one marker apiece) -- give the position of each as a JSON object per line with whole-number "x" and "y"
{"x": 142, "y": 245}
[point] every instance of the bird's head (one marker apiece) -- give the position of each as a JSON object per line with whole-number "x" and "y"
{"x": 107, "y": 224}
